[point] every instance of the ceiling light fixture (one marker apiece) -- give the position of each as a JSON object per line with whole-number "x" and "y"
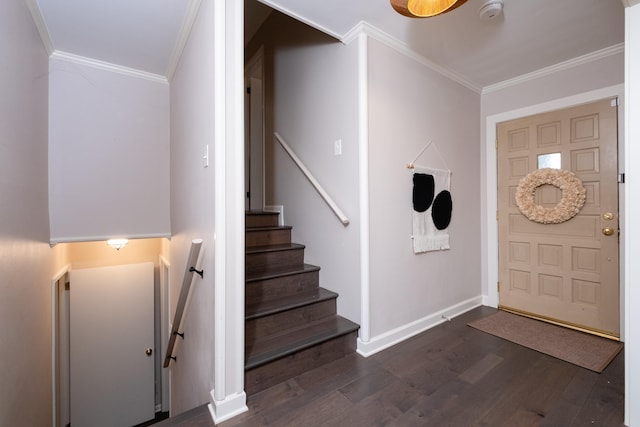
{"x": 424, "y": 8}
{"x": 118, "y": 244}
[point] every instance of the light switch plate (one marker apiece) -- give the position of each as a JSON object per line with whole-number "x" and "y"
{"x": 337, "y": 147}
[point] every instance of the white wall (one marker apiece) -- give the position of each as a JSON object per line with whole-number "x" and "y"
{"x": 99, "y": 254}
{"x": 409, "y": 106}
{"x": 108, "y": 154}
{"x": 192, "y": 212}
{"x": 584, "y": 77}
{"x": 27, "y": 264}
{"x": 312, "y": 95}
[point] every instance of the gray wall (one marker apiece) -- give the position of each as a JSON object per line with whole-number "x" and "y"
{"x": 192, "y": 212}
{"x": 108, "y": 154}
{"x": 27, "y": 264}
{"x": 409, "y": 106}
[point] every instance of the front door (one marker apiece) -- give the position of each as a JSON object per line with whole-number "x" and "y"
{"x": 111, "y": 345}
{"x": 565, "y": 272}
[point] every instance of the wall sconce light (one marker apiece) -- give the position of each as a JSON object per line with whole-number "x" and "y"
{"x": 118, "y": 244}
{"x": 424, "y": 8}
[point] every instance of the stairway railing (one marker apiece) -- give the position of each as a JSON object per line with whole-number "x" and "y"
{"x": 183, "y": 299}
{"x": 325, "y": 196}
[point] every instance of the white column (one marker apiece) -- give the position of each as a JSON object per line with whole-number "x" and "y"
{"x": 632, "y": 212}
{"x": 227, "y": 397}
{"x": 363, "y": 164}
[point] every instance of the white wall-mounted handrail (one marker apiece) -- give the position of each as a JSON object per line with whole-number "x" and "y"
{"x": 183, "y": 299}
{"x": 336, "y": 210}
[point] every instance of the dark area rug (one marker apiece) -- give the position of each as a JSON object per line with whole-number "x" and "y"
{"x": 582, "y": 349}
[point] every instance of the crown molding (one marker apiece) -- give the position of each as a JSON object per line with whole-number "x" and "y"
{"x": 360, "y": 28}
{"x": 38, "y": 20}
{"x": 103, "y": 238}
{"x": 365, "y": 28}
{"x": 187, "y": 25}
{"x": 580, "y": 60}
{"x": 382, "y": 37}
{"x": 106, "y": 66}
{"x": 629, "y": 3}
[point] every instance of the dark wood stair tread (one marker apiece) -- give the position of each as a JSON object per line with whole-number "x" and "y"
{"x": 273, "y": 248}
{"x": 306, "y": 268}
{"x": 267, "y": 235}
{"x": 260, "y": 212}
{"x": 301, "y": 299}
{"x": 280, "y": 345}
{"x": 268, "y": 228}
{"x": 260, "y": 218}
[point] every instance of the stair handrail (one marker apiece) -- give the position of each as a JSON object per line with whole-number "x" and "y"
{"x": 334, "y": 207}
{"x": 183, "y": 299}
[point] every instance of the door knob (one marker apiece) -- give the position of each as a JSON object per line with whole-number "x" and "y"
{"x": 607, "y": 231}
{"x": 148, "y": 352}
{"x": 607, "y": 216}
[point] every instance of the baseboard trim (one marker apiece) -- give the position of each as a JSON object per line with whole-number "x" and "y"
{"x": 395, "y": 336}
{"x": 276, "y": 208}
{"x": 231, "y": 406}
{"x": 486, "y": 300}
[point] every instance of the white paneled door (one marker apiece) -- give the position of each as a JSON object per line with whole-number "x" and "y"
{"x": 112, "y": 345}
{"x": 564, "y": 272}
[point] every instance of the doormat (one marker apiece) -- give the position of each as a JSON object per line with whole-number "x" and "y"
{"x": 582, "y": 349}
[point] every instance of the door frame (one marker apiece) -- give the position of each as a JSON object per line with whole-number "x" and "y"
{"x": 255, "y": 144}
{"x": 59, "y": 336}
{"x": 165, "y": 331}
{"x": 57, "y": 378}
{"x": 490, "y": 232}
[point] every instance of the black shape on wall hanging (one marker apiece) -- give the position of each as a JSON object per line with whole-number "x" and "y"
{"x": 441, "y": 211}
{"x": 423, "y": 191}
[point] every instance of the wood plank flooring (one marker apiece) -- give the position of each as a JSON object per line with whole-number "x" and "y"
{"x": 451, "y": 375}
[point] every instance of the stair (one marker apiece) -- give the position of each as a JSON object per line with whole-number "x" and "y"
{"x": 291, "y": 324}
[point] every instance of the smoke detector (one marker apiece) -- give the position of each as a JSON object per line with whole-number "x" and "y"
{"x": 491, "y": 10}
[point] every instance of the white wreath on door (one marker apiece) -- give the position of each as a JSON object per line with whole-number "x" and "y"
{"x": 572, "y": 201}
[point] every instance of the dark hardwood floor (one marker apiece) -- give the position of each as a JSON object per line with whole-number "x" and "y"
{"x": 451, "y": 375}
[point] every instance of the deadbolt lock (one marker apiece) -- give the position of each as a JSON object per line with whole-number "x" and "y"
{"x": 607, "y": 231}
{"x": 148, "y": 352}
{"x": 607, "y": 216}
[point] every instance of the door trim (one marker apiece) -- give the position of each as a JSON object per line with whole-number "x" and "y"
{"x": 490, "y": 231}
{"x": 55, "y": 340}
{"x": 254, "y": 70}
{"x": 164, "y": 330}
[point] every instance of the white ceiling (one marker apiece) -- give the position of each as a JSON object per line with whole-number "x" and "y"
{"x": 529, "y": 36}
{"x": 139, "y": 34}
